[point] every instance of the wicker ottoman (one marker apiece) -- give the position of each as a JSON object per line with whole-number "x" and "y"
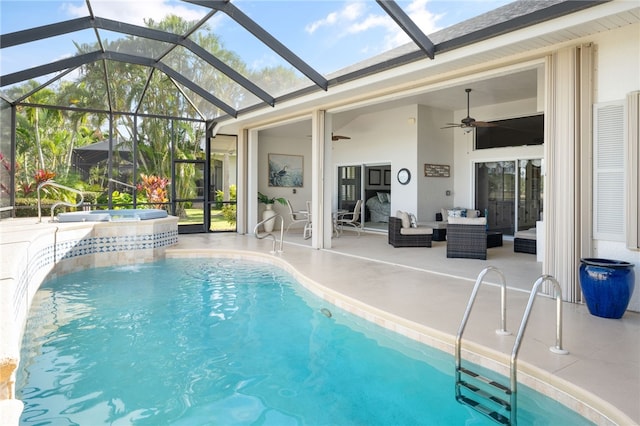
{"x": 439, "y": 229}
{"x": 525, "y": 241}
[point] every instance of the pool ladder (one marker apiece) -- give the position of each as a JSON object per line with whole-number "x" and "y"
{"x": 269, "y": 234}
{"x": 496, "y": 400}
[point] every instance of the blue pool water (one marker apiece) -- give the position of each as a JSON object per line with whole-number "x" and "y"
{"x": 225, "y": 342}
{"x": 112, "y": 215}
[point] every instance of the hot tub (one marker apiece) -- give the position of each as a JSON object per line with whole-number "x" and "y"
{"x": 112, "y": 215}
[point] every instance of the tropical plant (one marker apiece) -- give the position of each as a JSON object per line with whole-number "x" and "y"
{"x": 46, "y": 138}
{"x": 155, "y": 187}
{"x": 270, "y": 200}
{"x": 228, "y": 208}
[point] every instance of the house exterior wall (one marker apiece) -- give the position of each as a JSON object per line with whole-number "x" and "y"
{"x": 290, "y": 146}
{"x": 435, "y": 146}
{"x": 391, "y": 136}
{"x": 384, "y": 137}
{"x": 466, "y": 156}
{"x": 617, "y": 73}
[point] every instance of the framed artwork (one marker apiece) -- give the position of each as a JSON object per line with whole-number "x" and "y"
{"x": 374, "y": 177}
{"x": 436, "y": 170}
{"x": 387, "y": 177}
{"x": 286, "y": 170}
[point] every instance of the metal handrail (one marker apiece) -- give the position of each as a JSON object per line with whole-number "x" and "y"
{"x": 128, "y": 185}
{"x": 59, "y": 203}
{"x": 269, "y": 234}
{"x": 523, "y": 326}
{"x": 503, "y": 309}
{"x": 467, "y": 312}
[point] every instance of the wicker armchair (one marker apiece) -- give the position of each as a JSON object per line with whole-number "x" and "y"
{"x": 467, "y": 238}
{"x": 418, "y": 237}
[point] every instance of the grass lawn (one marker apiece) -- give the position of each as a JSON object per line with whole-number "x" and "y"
{"x": 218, "y": 222}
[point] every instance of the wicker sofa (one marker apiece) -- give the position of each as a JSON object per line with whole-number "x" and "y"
{"x": 440, "y": 224}
{"x": 467, "y": 237}
{"x": 407, "y": 236}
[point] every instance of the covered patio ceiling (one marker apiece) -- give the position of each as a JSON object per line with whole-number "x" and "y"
{"x": 215, "y": 82}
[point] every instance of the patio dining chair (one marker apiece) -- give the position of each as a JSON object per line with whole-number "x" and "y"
{"x": 308, "y": 226}
{"x": 351, "y": 218}
{"x": 296, "y": 216}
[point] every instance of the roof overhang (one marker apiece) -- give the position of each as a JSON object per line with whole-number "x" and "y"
{"x": 467, "y": 62}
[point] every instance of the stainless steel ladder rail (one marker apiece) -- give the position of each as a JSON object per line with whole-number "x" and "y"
{"x": 523, "y": 326}
{"x": 269, "y": 234}
{"x": 493, "y": 390}
{"x": 460, "y": 371}
{"x": 58, "y": 203}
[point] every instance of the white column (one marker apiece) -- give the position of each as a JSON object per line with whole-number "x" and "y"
{"x": 249, "y": 162}
{"x": 567, "y": 157}
{"x": 317, "y": 179}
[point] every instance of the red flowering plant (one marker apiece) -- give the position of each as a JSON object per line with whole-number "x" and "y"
{"x": 5, "y": 163}
{"x": 155, "y": 188}
{"x": 7, "y": 167}
{"x": 43, "y": 176}
{"x": 40, "y": 176}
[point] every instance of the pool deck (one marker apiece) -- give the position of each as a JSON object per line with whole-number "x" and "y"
{"x": 602, "y": 368}
{"x": 422, "y": 294}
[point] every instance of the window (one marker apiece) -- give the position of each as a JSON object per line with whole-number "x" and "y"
{"x": 513, "y": 132}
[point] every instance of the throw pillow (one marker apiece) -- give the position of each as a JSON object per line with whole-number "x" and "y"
{"x": 413, "y": 220}
{"x": 382, "y": 197}
{"x": 406, "y": 221}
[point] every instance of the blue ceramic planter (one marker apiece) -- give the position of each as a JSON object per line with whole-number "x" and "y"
{"x": 607, "y": 286}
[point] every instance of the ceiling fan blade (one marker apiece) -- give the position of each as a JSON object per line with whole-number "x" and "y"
{"x": 338, "y": 137}
{"x": 484, "y": 124}
{"x": 451, "y": 126}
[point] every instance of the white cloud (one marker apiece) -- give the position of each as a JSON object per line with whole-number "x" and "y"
{"x": 348, "y": 14}
{"x": 419, "y": 13}
{"x": 353, "y": 19}
{"x": 134, "y": 12}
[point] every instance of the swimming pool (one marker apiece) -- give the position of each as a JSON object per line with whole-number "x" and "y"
{"x": 112, "y": 215}
{"x": 220, "y": 341}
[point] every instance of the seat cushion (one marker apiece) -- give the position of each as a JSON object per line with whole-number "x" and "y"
{"x": 416, "y": 231}
{"x": 529, "y": 234}
{"x": 468, "y": 220}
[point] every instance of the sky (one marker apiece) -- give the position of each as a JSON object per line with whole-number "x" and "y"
{"x": 327, "y": 34}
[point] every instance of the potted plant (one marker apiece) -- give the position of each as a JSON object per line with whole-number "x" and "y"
{"x": 269, "y": 202}
{"x": 607, "y": 286}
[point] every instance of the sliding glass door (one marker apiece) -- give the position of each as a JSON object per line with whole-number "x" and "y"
{"x": 349, "y": 186}
{"x": 530, "y": 193}
{"x": 509, "y": 193}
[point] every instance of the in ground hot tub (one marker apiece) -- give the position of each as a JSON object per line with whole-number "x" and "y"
{"x": 112, "y": 215}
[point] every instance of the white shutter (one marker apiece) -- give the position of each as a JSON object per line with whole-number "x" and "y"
{"x": 633, "y": 173}
{"x": 608, "y": 171}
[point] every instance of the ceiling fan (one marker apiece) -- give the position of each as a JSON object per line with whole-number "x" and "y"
{"x": 338, "y": 137}
{"x": 335, "y": 137}
{"x": 469, "y": 122}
